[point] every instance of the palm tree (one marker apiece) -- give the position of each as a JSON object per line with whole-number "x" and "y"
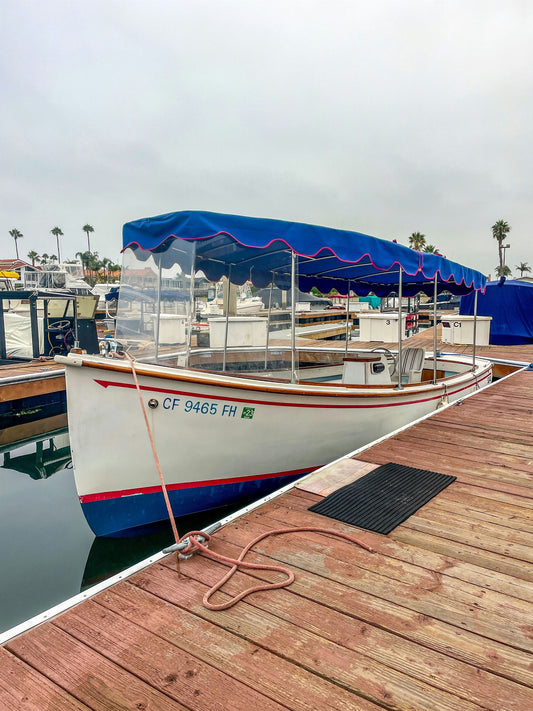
{"x": 16, "y": 234}
{"x": 500, "y": 230}
{"x": 503, "y": 271}
{"x": 96, "y": 265}
{"x": 88, "y": 229}
{"x": 112, "y": 268}
{"x": 44, "y": 258}
{"x": 58, "y": 233}
{"x": 417, "y": 241}
{"x": 33, "y": 256}
{"x": 523, "y": 267}
{"x": 431, "y": 249}
{"x": 85, "y": 258}
{"x": 106, "y": 263}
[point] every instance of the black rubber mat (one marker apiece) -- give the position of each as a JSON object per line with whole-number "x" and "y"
{"x": 383, "y": 498}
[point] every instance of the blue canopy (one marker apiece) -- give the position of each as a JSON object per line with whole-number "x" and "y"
{"x": 510, "y": 303}
{"x": 259, "y": 250}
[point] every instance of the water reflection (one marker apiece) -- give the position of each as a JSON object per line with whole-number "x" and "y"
{"x": 48, "y": 553}
{"x": 44, "y": 538}
{"x": 51, "y": 455}
{"x": 109, "y": 556}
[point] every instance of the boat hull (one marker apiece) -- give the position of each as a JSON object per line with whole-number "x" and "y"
{"x": 219, "y": 439}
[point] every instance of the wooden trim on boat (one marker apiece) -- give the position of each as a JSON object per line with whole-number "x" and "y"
{"x": 297, "y": 389}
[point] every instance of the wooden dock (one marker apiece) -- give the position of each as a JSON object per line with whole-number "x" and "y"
{"x": 439, "y": 617}
{"x": 30, "y": 378}
{"x": 30, "y": 393}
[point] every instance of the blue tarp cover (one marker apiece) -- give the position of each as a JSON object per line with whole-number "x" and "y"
{"x": 258, "y": 250}
{"x": 510, "y": 303}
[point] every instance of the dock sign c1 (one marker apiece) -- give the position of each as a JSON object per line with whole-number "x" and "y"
{"x": 247, "y": 413}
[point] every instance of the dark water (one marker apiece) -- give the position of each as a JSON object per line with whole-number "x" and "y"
{"x": 48, "y": 553}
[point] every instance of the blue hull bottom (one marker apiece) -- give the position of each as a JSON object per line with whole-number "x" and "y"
{"x": 116, "y": 517}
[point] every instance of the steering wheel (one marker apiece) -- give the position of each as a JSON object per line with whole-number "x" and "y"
{"x": 392, "y": 359}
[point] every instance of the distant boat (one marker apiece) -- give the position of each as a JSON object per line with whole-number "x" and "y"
{"x": 56, "y": 277}
{"x": 245, "y": 303}
{"x": 509, "y": 303}
{"x": 232, "y": 422}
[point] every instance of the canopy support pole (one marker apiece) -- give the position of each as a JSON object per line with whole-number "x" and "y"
{"x": 75, "y": 312}
{"x": 268, "y": 319}
{"x": 191, "y": 314}
{"x": 435, "y": 330}
{"x": 474, "y": 339}
{"x": 347, "y": 318}
{"x": 158, "y": 319}
{"x": 293, "y": 317}
{"x": 227, "y": 322}
{"x": 400, "y": 329}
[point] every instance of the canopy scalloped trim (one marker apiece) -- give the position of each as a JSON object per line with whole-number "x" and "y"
{"x": 327, "y": 257}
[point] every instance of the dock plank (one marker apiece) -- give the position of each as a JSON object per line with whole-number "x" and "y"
{"x": 261, "y": 623}
{"x": 411, "y": 564}
{"x": 161, "y": 665}
{"x": 386, "y": 615}
{"x": 276, "y": 677}
{"x": 23, "y": 687}
{"x": 322, "y": 615}
{"x": 371, "y": 573}
{"x": 89, "y": 677}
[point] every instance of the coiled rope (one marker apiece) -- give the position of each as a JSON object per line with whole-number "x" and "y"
{"x": 237, "y": 563}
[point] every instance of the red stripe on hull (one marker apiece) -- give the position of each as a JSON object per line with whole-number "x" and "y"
{"x": 102, "y": 496}
{"x": 108, "y": 383}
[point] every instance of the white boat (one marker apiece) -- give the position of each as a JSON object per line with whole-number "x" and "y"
{"x": 230, "y": 422}
{"x": 56, "y": 277}
{"x": 245, "y": 303}
{"x": 250, "y": 305}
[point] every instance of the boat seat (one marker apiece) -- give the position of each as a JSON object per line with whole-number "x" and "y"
{"x": 412, "y": 365}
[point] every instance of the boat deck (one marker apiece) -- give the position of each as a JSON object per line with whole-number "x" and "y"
{"x": 438, "y": 617}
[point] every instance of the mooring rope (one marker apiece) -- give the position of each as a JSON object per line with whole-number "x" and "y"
{"x": 237, "y": 563}
{"x": 156, "y": 458}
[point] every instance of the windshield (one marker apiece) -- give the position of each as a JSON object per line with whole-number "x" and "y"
{"x": 154, "y": 307}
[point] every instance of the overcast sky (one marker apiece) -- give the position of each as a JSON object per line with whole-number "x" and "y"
{"x": 385, "y": 117}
